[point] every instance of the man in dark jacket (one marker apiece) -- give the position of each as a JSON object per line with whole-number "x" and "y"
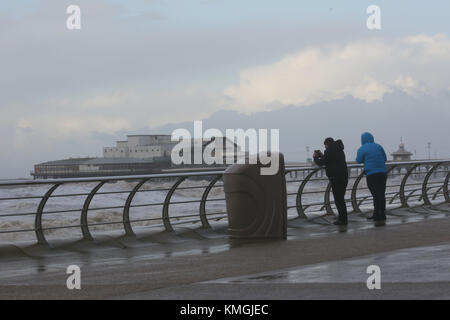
{"x": 374, "y": 158}
{"x": 336, "y": 169}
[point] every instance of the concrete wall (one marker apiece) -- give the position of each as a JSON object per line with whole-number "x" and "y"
{"x": 145, "y": 152}
{"x": 122, "y": 144}
{"x": 140, "y": 147}
{"x": 147, "y": 140}
{"x": 115, "y": 152}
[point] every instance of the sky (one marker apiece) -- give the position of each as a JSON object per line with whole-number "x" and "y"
{"x": 141, "y": 66}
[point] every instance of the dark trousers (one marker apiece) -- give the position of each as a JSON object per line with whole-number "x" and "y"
{"x": 339, "y": 186}
{"x": 377, "y": 186}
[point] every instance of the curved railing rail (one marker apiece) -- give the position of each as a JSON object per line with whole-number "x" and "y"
{"x": 309, "y": 196}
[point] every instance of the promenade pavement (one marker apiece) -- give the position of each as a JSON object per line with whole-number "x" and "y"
{"x": 317, "y": 261}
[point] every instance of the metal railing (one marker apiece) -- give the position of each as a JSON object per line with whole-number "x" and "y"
{"x": 429, "y": 185}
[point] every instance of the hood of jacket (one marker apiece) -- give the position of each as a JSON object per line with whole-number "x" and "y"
{"x": 366, "y": 137}
{"x": 339, "y": 145}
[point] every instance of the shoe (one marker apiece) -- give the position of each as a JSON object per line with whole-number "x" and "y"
{"x": 340, "y": 223}
{"x": 380, "y": 222}
{"x": 370, "y": 217}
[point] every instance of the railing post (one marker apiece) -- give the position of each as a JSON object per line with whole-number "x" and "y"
{"x": 300, "y": 211}
{"x": 126, "y": 210}
{"x": 426, "y": 200}
{"x": 38, "y": 219}
{"x": 202, "y": 210}
{"x": 446, "y": 194}
{"x": 403, "y": 199}
{"x": 355, "y": 204}
{"x": 393, "y": 198}
{"x": 84, "y": 223}
{"x": 410, "y": 194}
{"x": 165, "y": 213}
{"x": 437, "y": 192}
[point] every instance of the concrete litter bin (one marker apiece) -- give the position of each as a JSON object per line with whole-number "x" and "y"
{"x": 256, "y": 204}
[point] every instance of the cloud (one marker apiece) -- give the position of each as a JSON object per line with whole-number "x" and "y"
{"x": 365, "y": 69}
{"x": 67, "y": 93}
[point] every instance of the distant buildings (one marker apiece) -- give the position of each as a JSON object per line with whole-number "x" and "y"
{"x": 93, "y": 167}
{"x": 151, "y": 147}
{"x": 141, "y": 147}
{"x": 401, "y": 154}
{"x": 139, "y": 154}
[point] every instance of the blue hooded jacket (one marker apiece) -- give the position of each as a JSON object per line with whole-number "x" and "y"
{"x": 372, "y": 155}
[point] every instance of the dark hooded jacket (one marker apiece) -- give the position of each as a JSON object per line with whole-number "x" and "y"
{"x": 334, "y": 160}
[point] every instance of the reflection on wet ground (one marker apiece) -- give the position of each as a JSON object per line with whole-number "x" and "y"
{"x": 33, "y": 258}
{"x": 422, "y": 264}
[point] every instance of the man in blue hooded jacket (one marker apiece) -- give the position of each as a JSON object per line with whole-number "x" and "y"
{"x": 374, "y": 159}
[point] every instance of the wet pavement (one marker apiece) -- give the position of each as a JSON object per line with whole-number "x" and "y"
{"x": 422, "y": 264}
{"x": 415, "y": 273}
{"x": 319, "y": 260}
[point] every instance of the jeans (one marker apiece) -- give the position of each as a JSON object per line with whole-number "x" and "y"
{"x": 339, "y": 186}
{"x": 377, "y": 186}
